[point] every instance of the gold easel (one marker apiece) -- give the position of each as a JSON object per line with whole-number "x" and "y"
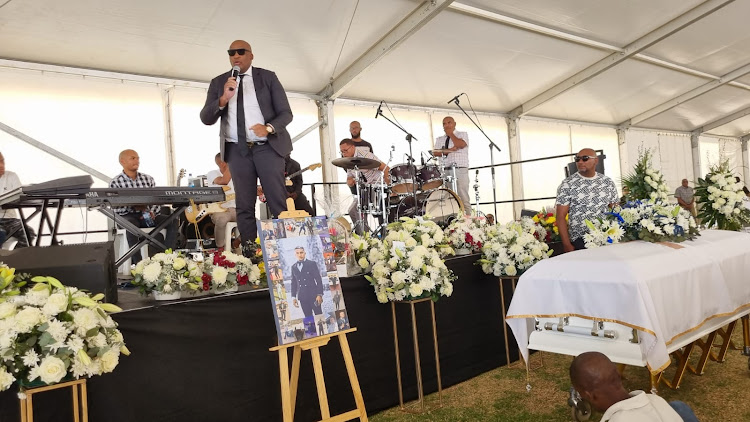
{"x": 79, "y": 412}
{"x": 289, "y": 384}
{"x": 513, "y": 281}
{"x": 289, "y": 381}
{"x": 417, "y": 364}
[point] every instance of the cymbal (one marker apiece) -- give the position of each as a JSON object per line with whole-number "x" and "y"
{"x": 440, "y": 151}
{"x": 362, "y": 163}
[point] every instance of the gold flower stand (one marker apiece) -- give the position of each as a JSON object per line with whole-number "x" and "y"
{"x": 417, "y": 364}
{"x": 289, "y": 381}
{"x": 80, "y": 408}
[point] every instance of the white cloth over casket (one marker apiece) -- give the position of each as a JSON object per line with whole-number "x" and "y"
{"x": 660, "y": 290}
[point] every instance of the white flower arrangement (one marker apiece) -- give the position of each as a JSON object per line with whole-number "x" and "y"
{"x": 226, "y": 270}
{"x": 720, "y": 196}
{"x": 407, "y": 264}
{"x": 646, "y": 183}
{"x": 49, "y": 331}
{"x": 467, "y": 232}
{"x": 654, "y": 222}
{"x": 166, "y": 272}
{"x": 513, "y": 248}
{"x": 602, "y": 232}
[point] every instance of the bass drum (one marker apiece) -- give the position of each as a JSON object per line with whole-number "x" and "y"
{"x": 443, "y": 205}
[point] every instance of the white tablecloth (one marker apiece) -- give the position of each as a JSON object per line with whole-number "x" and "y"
{"x": 662, "y": 291}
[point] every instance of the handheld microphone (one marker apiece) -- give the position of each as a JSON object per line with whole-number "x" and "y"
{"x": 454, "y": 99}
{"x": 380, "y": 107}
{"x": 235, "y": 73}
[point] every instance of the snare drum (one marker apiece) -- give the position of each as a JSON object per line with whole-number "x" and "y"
{"x": 429, "y": 177}
{"x": 402, "y": 179}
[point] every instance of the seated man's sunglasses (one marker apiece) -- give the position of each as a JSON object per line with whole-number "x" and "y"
{"x": 240, "y": 51}
{"x": 584, "y": 158}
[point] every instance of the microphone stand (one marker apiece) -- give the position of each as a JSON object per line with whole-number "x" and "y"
{"x": 410, "y": 157}
{"x": 492, "y": 156}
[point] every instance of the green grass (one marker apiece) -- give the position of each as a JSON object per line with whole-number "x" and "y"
{"x": 721, "y": 394}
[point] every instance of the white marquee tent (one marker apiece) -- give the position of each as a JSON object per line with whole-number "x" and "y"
{"x": 84, "y": 80}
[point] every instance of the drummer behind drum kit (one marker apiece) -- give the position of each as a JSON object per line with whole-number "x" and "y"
{"x": 414, "y": 191}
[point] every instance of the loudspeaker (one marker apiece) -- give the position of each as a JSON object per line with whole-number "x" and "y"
{"x": 89, "y": 266}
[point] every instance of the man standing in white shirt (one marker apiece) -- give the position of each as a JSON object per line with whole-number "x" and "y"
{"x": 222, "y": 177}
{"x": 457, "y": 143}
{"x": 596, "y": 379}
{"x": 9, "y": 221}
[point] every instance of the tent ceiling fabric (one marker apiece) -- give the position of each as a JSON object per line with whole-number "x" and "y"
{"x": 500, "y": 66}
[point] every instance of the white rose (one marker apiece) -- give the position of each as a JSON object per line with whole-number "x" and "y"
{"x": 446, "y": 289}
{"x": 161, "y": 256}
{"x": 7, "y": 309}
{"x": 219, "y": 274}
{"x": 51, "y": 370}
{"x": 179, "y": 263}
{"x": 109, "y": 360}
{"x": 415, "y": 290}
{"x": 382, "y": 296}
{"x": 27, "y": 319}
{"x": 6, "y": 379}
{"x": 363, "y": 262}
{"x": 510, "y": 270}
{"x": 56, "y": 303}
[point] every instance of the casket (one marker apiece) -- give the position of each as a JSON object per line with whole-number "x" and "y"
{"x": 636, "y": 301}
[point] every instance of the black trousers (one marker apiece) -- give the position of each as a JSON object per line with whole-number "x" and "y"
{"x": 247, "y": 166}
{"x": 136, "y": 218}
{"x": 14, "y": 228}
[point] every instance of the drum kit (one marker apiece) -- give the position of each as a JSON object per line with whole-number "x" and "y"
{"x": 414, "y": 190}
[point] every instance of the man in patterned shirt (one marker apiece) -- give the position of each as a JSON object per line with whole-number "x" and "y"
{"x": 583, "y": 195}
{"x": 140, "y": 215}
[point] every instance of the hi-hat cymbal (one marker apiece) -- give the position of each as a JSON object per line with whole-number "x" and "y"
{"x": 440, "y": 151}
{"x": 362, "y": 163}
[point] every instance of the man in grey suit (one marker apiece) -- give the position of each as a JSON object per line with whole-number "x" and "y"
{"x": 254, "y": 102}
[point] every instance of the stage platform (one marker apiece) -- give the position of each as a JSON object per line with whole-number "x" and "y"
{"x": 207, "y": 359}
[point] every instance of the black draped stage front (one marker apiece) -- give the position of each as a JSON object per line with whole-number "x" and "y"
{"x": 207, "y": 359}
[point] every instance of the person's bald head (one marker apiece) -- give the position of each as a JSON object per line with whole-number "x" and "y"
{"x": 596, "y": 379}
{"x": 586, "y": 160}
{"x": 240, "y": 54}
{"x": 129, "y": 160}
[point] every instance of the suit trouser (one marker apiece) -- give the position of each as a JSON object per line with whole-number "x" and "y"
{"x": 262, "y": 162}
{"x": 14, "y": 228}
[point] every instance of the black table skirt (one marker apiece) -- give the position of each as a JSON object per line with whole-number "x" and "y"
{"x": 208, "y": 360}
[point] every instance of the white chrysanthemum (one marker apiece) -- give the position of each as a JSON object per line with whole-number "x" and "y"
{"x": 151, "y": 272}
{"x": 57, "y": 330}
{"x": 219, "y": 275}
{"x": 37, "y": 298}
{"x": 75, "y": 343}
{"x": 30, "y": 358}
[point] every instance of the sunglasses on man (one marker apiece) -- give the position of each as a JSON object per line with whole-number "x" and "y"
{"x": 584, "y": 158}
{"x": 240, "y": 51}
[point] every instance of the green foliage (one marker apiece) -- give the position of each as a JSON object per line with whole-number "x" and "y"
{"x": 719, "y": 197}
{"x": 644, "y": 183}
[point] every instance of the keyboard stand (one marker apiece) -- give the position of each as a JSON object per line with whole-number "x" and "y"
{"x": 143, "y": 236}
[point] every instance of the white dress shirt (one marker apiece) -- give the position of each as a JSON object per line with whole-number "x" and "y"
{"x": 211, "y": 176}
{"x": 460, "y": 157}
{"x": 641, "y": 407}
{"x": 253, "y": 115}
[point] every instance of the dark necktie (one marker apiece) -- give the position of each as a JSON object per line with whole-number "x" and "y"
{"x": 447, "y": 139}
{"x": 241, "y": 130}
